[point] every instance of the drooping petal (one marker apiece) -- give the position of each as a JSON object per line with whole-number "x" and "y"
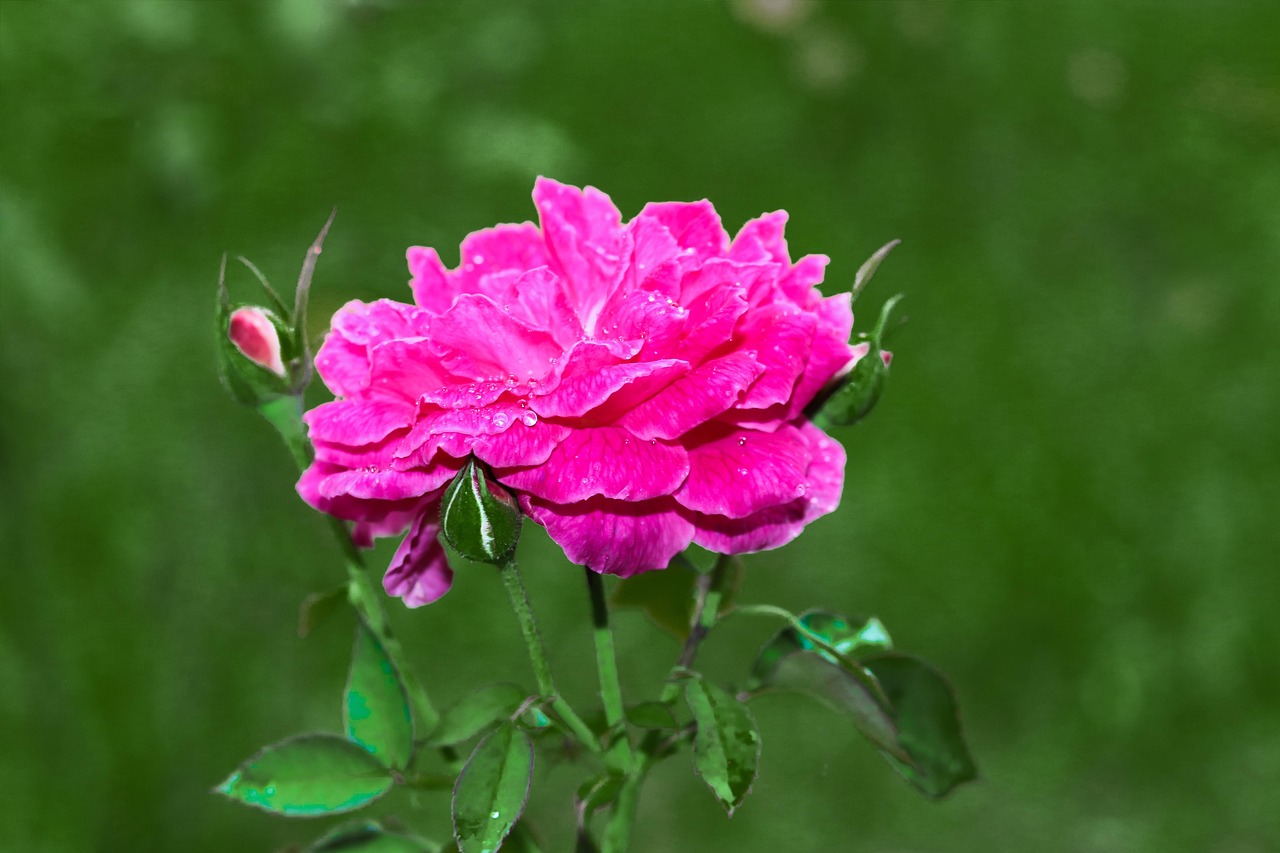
{"x": 692, "y": 400}
{"x": 605, "y": 461}
{"x": 615, "y": 537}
{"x": 419, "y": 573}
{"x": 737, "y": 473}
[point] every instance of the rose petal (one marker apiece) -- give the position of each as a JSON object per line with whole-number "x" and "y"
{"x": 605, "y": 461}
{"x": 583, "y": 233}
{"x": 737, "y": 473}
{"x": 829, "y": 353}
{"x": 419, "y": 572}
{"x": 694, "y": 399}
{"x": 615, "y": 537}
{"x": 694, "y": 226}
{"x": 776, "y": 526}
{"x": 357, "y": 422}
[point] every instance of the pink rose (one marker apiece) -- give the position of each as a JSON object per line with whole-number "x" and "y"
{"x": 635, "y": 386}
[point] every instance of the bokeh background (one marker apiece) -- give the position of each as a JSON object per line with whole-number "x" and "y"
{"x": 1066, "y": 499}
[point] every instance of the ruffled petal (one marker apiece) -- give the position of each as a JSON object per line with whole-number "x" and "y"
{"x": 781, "y": 335}
{"x": 584, "y": 236}
{"x": 737, "y": 473}
{"x": 775, "y": 526}
{"x": 357, "y": 422}
{"x": 692, "y": 400}
{"x": 830, "y": 351}
{"x": 605, "y": 461}
{"x": 482, "y": 341}
{"x": 695, "y": 226}
{"x": 615, "y": 537}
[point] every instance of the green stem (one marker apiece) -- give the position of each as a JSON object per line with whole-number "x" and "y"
{"x": 519, "y": 596}
{"x": 617, "y": 832}
{"x": 285, "y": 414}
{"x": 619, "y": 753}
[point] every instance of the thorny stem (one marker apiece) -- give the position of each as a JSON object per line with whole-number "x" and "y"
{"x": 519, "y": 596}
{"x": 619, "y": 752}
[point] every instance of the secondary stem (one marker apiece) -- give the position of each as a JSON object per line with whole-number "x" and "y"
{"x": 607, "y": 663}
{"x": 617, "y": 832}
{"x": 285, "y": 414}
{"x": 538, "y": 656}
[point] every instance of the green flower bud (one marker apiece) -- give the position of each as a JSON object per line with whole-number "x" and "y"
{"x": 482, "y": 524}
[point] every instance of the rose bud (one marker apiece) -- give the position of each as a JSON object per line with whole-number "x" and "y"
{"x": 482, "y": 525}
{"x": 257, "y": 338}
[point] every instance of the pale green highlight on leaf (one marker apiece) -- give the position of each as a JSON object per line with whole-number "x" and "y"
{"x": 376, "y": 705}
{"x": 308, "y": 776}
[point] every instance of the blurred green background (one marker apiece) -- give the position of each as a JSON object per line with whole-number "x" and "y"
{"x": 1066, "y": 499}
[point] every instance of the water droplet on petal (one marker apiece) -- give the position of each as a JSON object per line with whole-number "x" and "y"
{"x": 477, "y": 259}
{"x": 529, "y": 419}
{"x": 741, "y": 441}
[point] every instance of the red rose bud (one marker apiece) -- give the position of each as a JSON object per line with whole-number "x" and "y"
{"x": 257, "y": 338}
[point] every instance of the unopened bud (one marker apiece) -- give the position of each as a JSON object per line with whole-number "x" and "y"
{"x": 481, "y": 522}
{"x": 257, "y": 338}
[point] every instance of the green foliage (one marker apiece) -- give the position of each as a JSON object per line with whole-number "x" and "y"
{"x": 308, "y": 776}
{"x": 726, "y": 745}
{"x": 479, "y": 524}
{"x": 370, "y": 836}
{"x": 927, "y": 717}
{"x": 492, "y": 789}
{"x": 667, "y": 597}
{"x": 475, "y": 712}
{"x": 844, "y": 635}
{"x": 318, "y": 607}
{"x": 375, "y": 706}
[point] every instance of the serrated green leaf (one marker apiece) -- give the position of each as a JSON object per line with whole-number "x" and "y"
{"x": 928, "y": 720}
{"x": 847, "y": 689}
{"x": 492, "y": 789}
{"x": 651, "y": 715}
{"x": 369, "y": 836}
{"x": 726, "y": 745}
{"x": 317, "y": 607}
{"x": 308, "y": 776}
{"x": 668, "y": 597}
{"x": 475, "y": 712}
{"x": 375, "y": 706}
